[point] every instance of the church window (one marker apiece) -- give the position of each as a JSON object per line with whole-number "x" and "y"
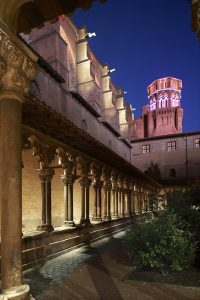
{"x": 146, "y": 149}
{"x": 197, "y": 143}
{"x": 171, "y": 146}
{"x": 172, "y": 173}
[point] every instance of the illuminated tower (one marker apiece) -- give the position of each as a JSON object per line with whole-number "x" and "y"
{"x": 163, "y": 115}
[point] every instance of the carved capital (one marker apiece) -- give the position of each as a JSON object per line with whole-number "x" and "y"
{"x": 126, "y": 183}
{"x": 84, "y": 182}
{"x": 98, "y": 184}
{"x": 96, "y": 171}
{"x": 120, "y": 182}
{"x": 114, "y": 180}
{"x": 66, "y": 160}
{"x": 45, "y": 174}
{"x": 16, "y": 69}
{"x": 67, "y": 179}
{"x": 83, "y": 167}
{"x": 43, "y": 152}
{"x": 106, "y": 173}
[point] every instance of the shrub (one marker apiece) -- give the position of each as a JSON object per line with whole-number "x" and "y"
{"x": 160, "y": 243}
{"x": 185, "y": 203}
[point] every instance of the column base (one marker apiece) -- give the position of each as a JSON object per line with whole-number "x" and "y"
{"x": 121, "y": 216}
{"x": 21, "y": 292}
{"x": 96, "y": 219}
{"x": 107, "y": 218}
{"x": 45, "y": 227}
{"x": 127, "y": 215}
{"x": 68, "y": 224}
{"x": 115, "y": 216}
{"x": 85, "y": 222}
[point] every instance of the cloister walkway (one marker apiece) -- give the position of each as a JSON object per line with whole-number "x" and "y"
{"x": 98, "y": 271}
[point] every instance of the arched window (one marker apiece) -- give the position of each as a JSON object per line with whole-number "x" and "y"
{"x": 172, "y": 173}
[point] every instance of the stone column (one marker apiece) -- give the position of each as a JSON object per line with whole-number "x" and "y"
{"x": 16, "y": 70}
{"x": 45, "y": 176}
{"x": 85, "y": 208}
{"x": 106, "y": 173}
{"x": 97, "y": 201}
{"x": 97, "y": 184}
{"x": 114, "y": 178}
{"x": 132, "y": 210}
{"x": 127, "y": 192}
{"x": 121, "y": 198}
{"x": 84, "y": 168}
{"x": 68, "y": 180}
{"x": 67, "y": 161}
{"x": 107, "y": 197}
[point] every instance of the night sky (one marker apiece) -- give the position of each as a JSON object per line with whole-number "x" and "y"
{"x": 146, "y": 40}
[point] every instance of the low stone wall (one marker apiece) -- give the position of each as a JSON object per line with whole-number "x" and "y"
{"x": 40, "y": 247}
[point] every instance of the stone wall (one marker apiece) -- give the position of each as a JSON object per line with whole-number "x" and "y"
{"x": 159, "y": 162}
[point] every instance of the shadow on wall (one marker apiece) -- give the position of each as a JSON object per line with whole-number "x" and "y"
{"x": 153, "y": 171}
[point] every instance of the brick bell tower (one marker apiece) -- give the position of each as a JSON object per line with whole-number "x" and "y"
{"x": 163, "y": 115}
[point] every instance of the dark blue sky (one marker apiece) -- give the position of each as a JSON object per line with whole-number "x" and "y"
{"x": 146, "y": 40}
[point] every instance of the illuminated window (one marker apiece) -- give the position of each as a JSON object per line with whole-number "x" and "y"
{"x": 171, "y": 146}
{"x": 146, "y": 149}
{"x": 197, "y": 143}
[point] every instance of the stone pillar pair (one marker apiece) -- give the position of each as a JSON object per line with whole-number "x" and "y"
{"x": 107, "y": 186}
{"x": 68, "y": 162}
{"x": 68, "y": 180}
{"x": 127, "y": 197}
{"x": 121, "y": 197}
{"x": 84, "y": 167}
{"x": 114, "y": 181}
{"x": 17, "y": 68}
{"x": 45, "y": 176}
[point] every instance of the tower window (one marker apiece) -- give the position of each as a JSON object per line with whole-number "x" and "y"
{"x": 146, "y": 149}
{"x": 197, "y": 143}
{"x": 172, "y": 173}
{"x": 171, "y": 146}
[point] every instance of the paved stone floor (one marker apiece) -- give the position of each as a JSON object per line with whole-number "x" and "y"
{"x": 98, "y": 272}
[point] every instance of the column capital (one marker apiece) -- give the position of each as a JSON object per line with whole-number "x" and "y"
{"x": 85, "y": 182}
{"x": 45, "y": 174}
{"x": 107, "y": 186}
{"x": 17, "y": 68}
{"x": 84, "y": 167}
{"x": 43, "y": 151}
{"x": 67, "y": 178}
{"x": 96, "y": 171}
{"x": 67, "y": 160}
{"x": 97, "y": 184}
